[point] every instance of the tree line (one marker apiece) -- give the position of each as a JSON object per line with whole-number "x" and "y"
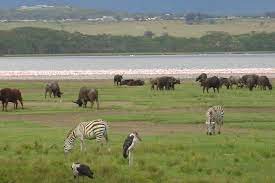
{"x": 29, "y": 40}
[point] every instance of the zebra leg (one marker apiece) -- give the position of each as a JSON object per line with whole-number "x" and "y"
{"x": 82, "y": 145}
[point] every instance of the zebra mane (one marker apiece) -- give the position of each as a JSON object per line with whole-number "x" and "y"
{"x": 70, "y": 131}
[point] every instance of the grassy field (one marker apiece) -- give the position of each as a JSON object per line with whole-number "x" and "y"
{"x": 174, "y": 28}
{"x": 175, "y": 147}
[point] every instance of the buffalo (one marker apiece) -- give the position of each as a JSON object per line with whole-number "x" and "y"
{"x": 166, "y": 82}
{"x": 202, "y": 77}
{"x": 53, "y": 88}
{"x": 251, "y": 82}
{"x": 212, "y": 82}
{"x": 264, "y": 82}
{"x": 137, "y": 82}
{"x": 87, "y": 95}
{"x": 235, "y": 80}
{"x": 153, "y": 82}
{"x": 126, "y": 81}
{"x": 172, "y": 82}
{"x": 247, "y": 76}
{"x": 132, "y": 82}
{"x": 225, "y": 82}
{"x": 117, "y": 79}
{"x": 10, "y": 95}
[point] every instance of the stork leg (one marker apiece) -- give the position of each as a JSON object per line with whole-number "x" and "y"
{"x": 132, "y": 159}
{"x": 129, "y": 158}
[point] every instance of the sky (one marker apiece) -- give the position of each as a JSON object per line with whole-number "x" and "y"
{"x": 132, "y": 6}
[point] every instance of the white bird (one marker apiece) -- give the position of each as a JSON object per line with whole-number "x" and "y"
{"x": 81, "y": 170}
{"x": 129, "y": 145}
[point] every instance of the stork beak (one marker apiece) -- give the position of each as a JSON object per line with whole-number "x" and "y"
{"x": 75, "y": 102}
{"x": 139, "y": 138}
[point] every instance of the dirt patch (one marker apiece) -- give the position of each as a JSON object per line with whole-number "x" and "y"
{"x": 164, "y": 129}
{"x": 69, "y": 120}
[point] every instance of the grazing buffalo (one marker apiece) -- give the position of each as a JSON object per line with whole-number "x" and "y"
{"x": 201, "y": 78}
{"x": 251, "y": 82}
{"x": 153, "y": 82}
{"x": 10, "y": 95}
{"x": 245, "y": 78}
{"x": 167, "y": 82}
{"x": 225, "y": 82}
{"x": 117, "y": 79}
{"x": 235, "y": 80}
{"x": 264, "y": 82}
{"x": 212, "y": 82}
{"x": 85, "y": 95}
{"x": 172, "y": 82}
{"x": 53, "y": 88}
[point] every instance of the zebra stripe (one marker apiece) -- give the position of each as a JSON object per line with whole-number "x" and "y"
{"x": 96, "y": 129}
{"x": 214, "y": 116}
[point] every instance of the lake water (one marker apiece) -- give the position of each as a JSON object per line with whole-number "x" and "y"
{"x": 136, "y": 65}
{"x": 219, "y": 61}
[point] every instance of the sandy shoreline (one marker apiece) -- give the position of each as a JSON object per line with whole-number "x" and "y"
{"x": 129, "y": 73}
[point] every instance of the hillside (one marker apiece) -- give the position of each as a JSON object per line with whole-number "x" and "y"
{"x": 173, "y": 28}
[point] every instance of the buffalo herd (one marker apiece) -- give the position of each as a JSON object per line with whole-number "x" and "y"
{"x": 86, "y": 94}
{"x": 118, "y": 80}
{"x": 249, "y": 81}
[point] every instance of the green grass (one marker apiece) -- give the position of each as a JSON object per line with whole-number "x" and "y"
{"x": 173, "y": 28}
{"x": 31, "y": 144}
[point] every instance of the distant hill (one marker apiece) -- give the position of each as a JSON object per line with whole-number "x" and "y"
{"x": 52, "y": 13}
{"x": 205, "y": 6}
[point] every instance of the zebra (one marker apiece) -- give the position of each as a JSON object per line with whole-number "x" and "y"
{"x": 96, "y": 129}
{"x": 214, "y": 115}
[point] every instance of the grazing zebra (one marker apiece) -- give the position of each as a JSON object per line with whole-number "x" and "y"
{"x": 96, "y": 129}
{"x": 214, "y": 115}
